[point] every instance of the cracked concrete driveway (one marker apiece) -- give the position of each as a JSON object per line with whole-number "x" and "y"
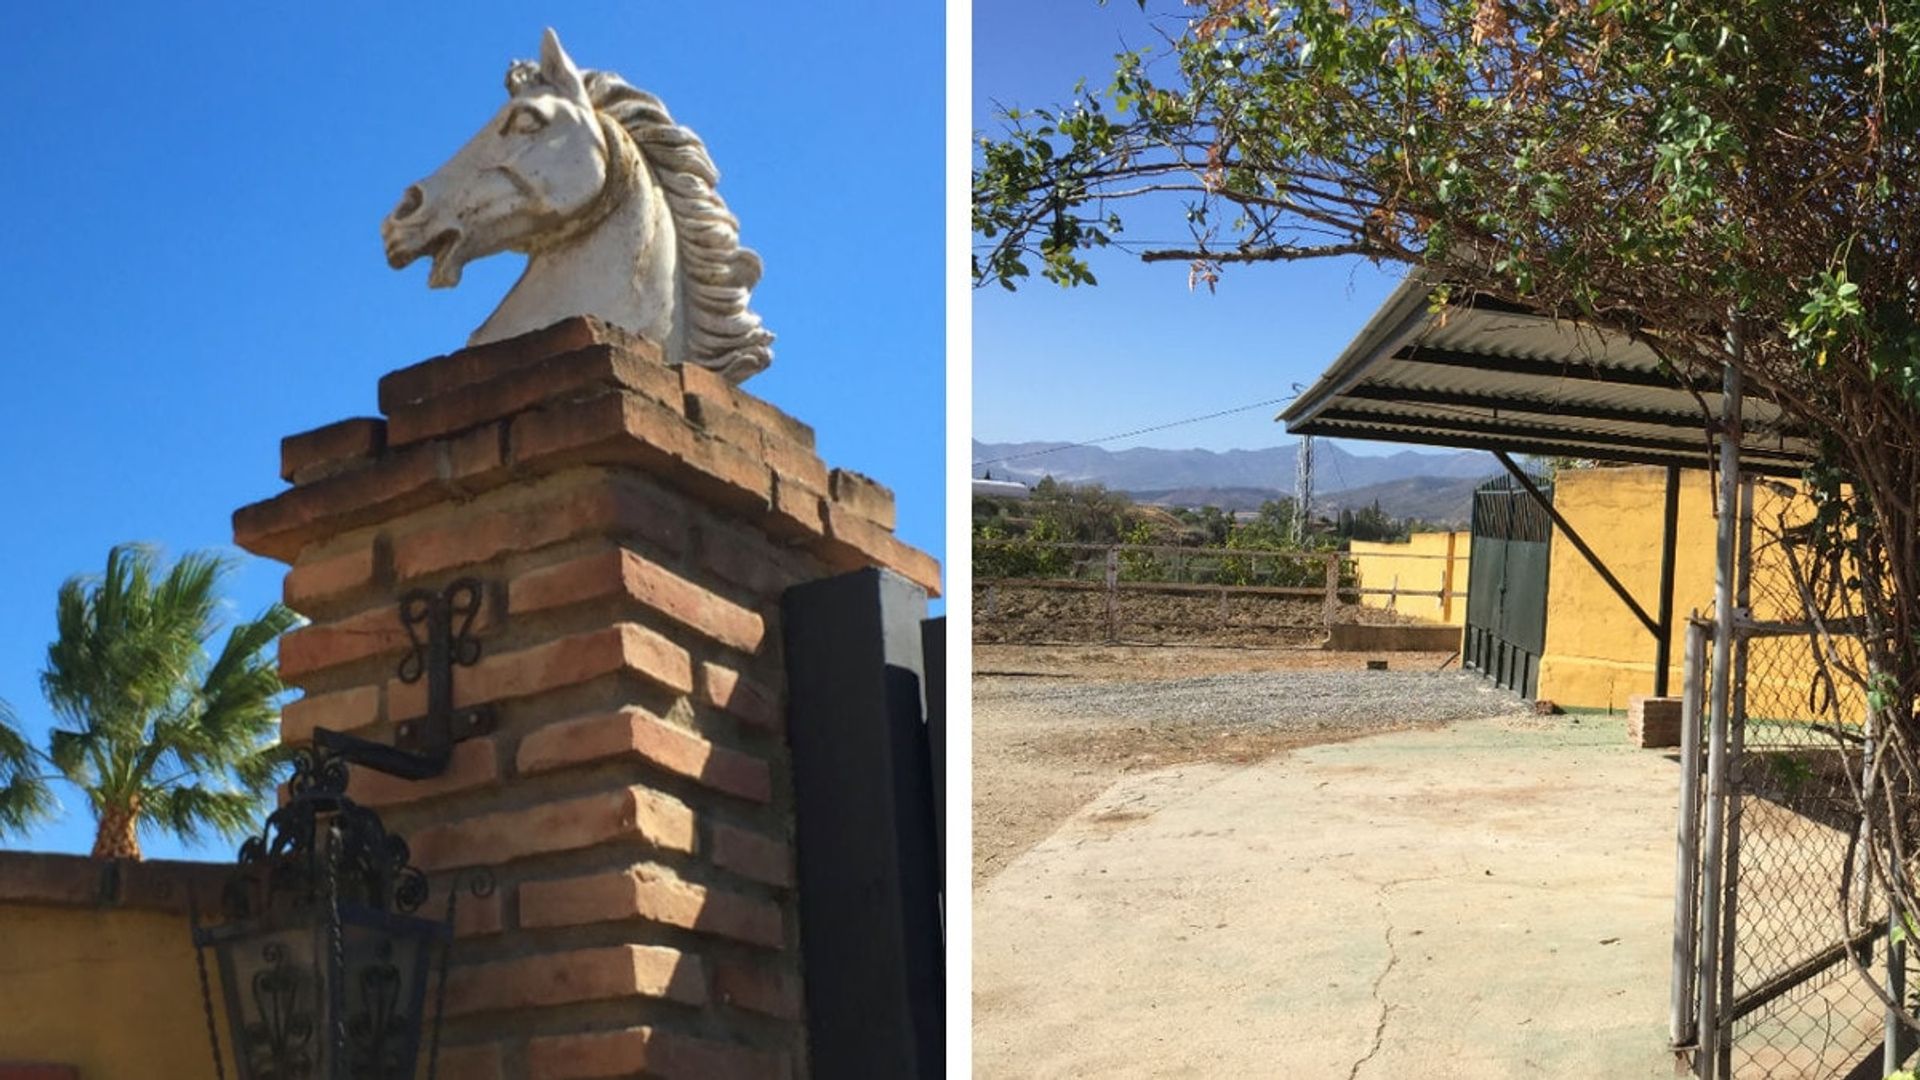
{"x": 1489, "y": 899}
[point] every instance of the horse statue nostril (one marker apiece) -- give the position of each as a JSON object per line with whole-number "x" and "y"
{"x": 410, "y": 202}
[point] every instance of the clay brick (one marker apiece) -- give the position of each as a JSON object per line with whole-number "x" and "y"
{"x": 798, "y": 511}
{"x": 630, "y": 430}
{"x": 656, "y": 895}
{"x": 627, "y": 573}
{"x": 727, "y": 476}
{"x": 568, "y": 661}
{"x": 627, "y": 429}
{"x": 580, "y": 975}
{"x": 746, "y": 558}
{"x": 634, "y": 733}
{"x": 608, "y": 506}
{"x": 724, "y": 422}
{"x": 480, "y": 363}
{"x": 614, "y": 428}
{"x": 342, "y": 710}
{"x": 324, "y": 450}
{"x": 645, "y": 1051}
{"x": 709, "y": 384}
{"x": 867, "y": 544}
{"x": 629, "y": 813}
{"x": 398, "y": 483}
{"x": 482, "y": 1062}
{"x": 864, "y": 496}
{"x": 752, "y": 856}
{"x": 473, "y": 763}
{"x": 318, "y": 646}
{"x": 593, "y": 368}
{"x": 725, "y": 688}
{"x": 311, "y": 584}
{"x": 371, "y": 633}
{"x": 756, "y": 987}
{"x": 475, "y": 453}
{"x": 1653, "y": 722}
{"x": 790, "y": 459}
{"x": 476, "y": 916}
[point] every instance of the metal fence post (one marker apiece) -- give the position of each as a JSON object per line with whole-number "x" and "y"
{"x": 1895, "y": 1041}
{"x": 1333, "y": 589}
{"x": 1113, "y": 594}
{"x": 1707, "y": 1059}
{"x": 1683, "y": 1019}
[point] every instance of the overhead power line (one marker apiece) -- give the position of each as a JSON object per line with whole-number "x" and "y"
{"x": 1137, "y": 431}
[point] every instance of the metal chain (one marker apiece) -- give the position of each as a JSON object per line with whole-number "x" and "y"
{"x": 337, "y": 990}
{"x": 440, "y": 994}
{"x": 206, "y": 989}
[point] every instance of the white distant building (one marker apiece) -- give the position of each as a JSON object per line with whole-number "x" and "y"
{"x": 1000, "y": 489}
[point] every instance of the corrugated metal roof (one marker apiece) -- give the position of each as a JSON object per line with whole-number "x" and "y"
{"x": 1491, "y": 377}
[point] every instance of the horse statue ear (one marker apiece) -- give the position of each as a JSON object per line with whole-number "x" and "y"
{"x": 556, "y": 67}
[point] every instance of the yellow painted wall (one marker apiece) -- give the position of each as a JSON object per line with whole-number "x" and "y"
{"x": 1383, "y": 566}
{"x": 112, "y": 991}
{"x": 1597, "y": 654}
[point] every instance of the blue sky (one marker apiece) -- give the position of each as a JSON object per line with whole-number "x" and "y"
{"x": 193, "y": 268}
{"x": 1140, "y": 349}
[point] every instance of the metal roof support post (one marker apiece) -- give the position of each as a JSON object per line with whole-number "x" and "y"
{"x": 1663, "y": 640}
{"x": 1713, "y": 1029}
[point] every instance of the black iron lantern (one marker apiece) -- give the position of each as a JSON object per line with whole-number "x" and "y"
{"x": 323, "y": 961}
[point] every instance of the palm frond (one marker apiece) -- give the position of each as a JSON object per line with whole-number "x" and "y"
{"x": 25, "y": 797}
{"x": 74, "y": 754}
{"x": 189, "y": 811}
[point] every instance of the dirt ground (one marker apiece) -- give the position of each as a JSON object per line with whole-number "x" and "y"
{"x": 1009, "y": 612}
{"x": 1487, "y": 899}
{"x": 1199, "y": 862}
{"x": 1035, "y": 764}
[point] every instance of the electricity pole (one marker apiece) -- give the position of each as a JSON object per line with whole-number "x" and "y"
{"x": 1302, "y": 489}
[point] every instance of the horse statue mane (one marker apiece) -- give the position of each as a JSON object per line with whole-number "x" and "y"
{"x": 615, "y": 205}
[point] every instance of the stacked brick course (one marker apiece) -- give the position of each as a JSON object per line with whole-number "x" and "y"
{"x": 634, "y": 524}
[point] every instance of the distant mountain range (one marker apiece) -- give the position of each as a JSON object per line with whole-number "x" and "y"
{"x": 1434, "y": 487}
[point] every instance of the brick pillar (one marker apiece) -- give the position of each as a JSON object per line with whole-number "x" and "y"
{"x": 634, "y": 525}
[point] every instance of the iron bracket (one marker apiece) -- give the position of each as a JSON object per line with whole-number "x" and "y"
{"x": 421, "y": 748}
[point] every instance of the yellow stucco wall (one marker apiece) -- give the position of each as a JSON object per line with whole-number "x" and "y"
{"x": 111, "y": 991}
{"x": 1420, "y": 565}
{"x": 1597, "y": 654}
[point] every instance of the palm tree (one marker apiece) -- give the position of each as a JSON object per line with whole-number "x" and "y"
{"x": 156, "y": 732}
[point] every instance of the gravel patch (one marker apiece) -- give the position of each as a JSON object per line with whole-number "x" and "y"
{"x": 1279, "y": 701}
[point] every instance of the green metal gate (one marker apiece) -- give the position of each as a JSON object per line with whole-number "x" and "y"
{"x": 1507, "y": 585}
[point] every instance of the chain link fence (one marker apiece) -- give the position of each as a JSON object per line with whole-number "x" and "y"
{"x": 1789, "y": 999}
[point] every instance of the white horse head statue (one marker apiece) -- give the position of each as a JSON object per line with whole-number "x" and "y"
{"x": 613, "y": 204}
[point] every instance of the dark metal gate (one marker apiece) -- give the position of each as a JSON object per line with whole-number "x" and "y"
{"x": 1507, "y": 585}
{"x": 866, "y": 722}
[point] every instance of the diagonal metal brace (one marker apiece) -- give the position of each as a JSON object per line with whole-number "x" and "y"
{"x": 1579, "y": 544}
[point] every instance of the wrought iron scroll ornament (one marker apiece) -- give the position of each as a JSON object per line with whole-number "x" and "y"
{"x": 328, "y": 864}
{"x": 286, "y": 863}
{"x": 323, "y": 961}
{"x": 440, "y": 632}
{"x": 446, "y": 620}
